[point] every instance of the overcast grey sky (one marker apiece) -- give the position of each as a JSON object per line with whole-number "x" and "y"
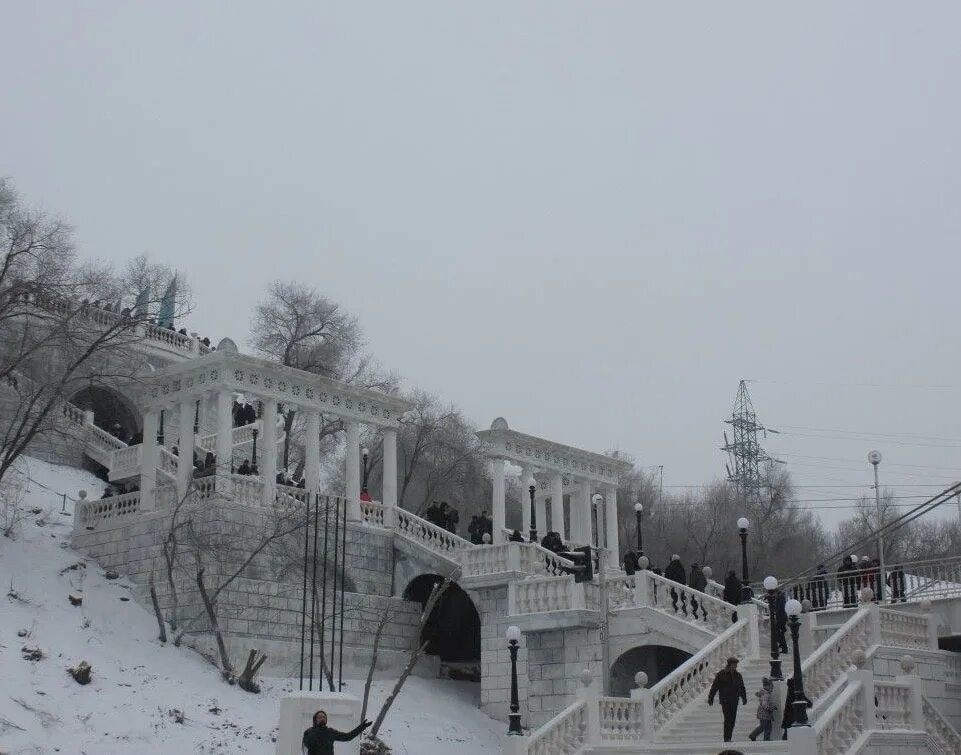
{"x": 591, "y": 218}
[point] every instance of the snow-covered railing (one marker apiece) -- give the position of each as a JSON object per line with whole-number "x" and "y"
{"x": 893, "y": 705}
{"x": 907, "y": 630}
{"x": 429, "y": 535}
{"x": 545, "y": 594}
{"x": 528, "y": 558}
{"x": 716, "y": 590}
{"x": 844, "y": 721}
{"x": 693, "y": 677}
{"x": 125, "y": 462}
{"x": 826, "y": 664}
{"x": 168, "y": 462}
{"x": 89, "y": 514}
{"x": 103, "y": 439}
{"x": 620, "y": 592}
{"x": 74, "y": 414}
{"x": 374, "y": 513}
{"x": 952, "y": 668}
{"x": 536, "y": 559}
{"x": 681, "y": 601}
{"x": 205, "y": 487}
{"x": 291, "y": 495}
{"x": 565, "y": 734}
{"x": 247, "y": 490}
{"x": 939, "y": 578}
{"x": 939, "y": 729}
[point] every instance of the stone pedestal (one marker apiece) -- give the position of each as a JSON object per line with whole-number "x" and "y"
{"x": 296, "y": 713}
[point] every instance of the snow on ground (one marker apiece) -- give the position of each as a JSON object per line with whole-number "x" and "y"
{"x": 137, "y": 682}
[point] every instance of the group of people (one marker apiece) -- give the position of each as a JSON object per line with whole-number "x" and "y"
{"x": 118, "y": 488}
{"x": 852, "y": 576}
{"x": 244, "y": 413}
{"x": 728, "y": 688}
{"x": 443, "y": 515}
{"x": 480, "y": 525}
{"x": 117, "y": 431}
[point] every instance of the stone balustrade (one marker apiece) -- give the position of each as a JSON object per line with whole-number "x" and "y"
{"x": 893, "y": 709}
{"x": 938, "y": 728}
{"x": 620, "y": 592}
{"x": 952, "y": 669}
{"x": 909, "y": 630}
{"x": 372, "y": 512}
{"x": 546, "y": 594}
{"x": 693, "y": 677}
{"x": 74, "y": 414}
{"x": 827, "y": 664}
{"x": 681, "y": 601}
{"x": 125, "y": 462}
{"x": 621, "y": 719}
{"x": 536, "y": 559}
{"x": 93, "y": 514}
{"x": 844, "y": 721}
{"x": 168, "y": 463}
{"x": 103, "y": 440}
{"x": 565, "y": 734}
{"x": 429, "y": 535}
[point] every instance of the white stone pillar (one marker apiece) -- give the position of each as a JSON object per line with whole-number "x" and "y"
{"x": 225, "y": 439}
{"x": 525, "y": 481}
{"x": 352, "y": 475}
{"x": 540, "y": 509}
{"x": 610, "y": 516}
{"x": 312, "y": 453}
{"x": 267, "y": 466}
{"x": 185, "y": 444}
{"x": 149, "y": 459}
{"x": 582, "y": 513}
{"x": 498, "y": 502}
{"x": 557, "y": 504}
{"x": 389, "y": 493}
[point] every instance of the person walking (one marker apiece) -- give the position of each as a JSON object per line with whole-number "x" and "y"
{"x": 765, "y": 711}
{"x": 728, "y": 686}
{"x": 319, "y": 739}
{"x": 675, "y": 572}
{"x": 732, "y": 592}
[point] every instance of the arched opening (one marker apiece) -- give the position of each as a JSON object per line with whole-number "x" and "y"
{"x": 111, "y": 411}
{"x": 452, "y": 631}
{"x": 657, "y": 661}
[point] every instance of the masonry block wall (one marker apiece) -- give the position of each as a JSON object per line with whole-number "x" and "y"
{"x": 491, "y": 604}
{"x": 944, "y": 693}
{"x": 555, "y": 660}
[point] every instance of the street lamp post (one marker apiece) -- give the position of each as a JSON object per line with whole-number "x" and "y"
{"x": 742, "y": 526}
{"x": 638, "y": 512}
{"x": 364, "y": 495}
{"x": 770, "y": 584}
{"x": 253, "y": 461}
{"x": 604, "y": 635}
{"x": 513, "y": 645}
{"x": 532, "y": 490}
{"x": 793, "y": 609}
{"x": 875, "y": 458}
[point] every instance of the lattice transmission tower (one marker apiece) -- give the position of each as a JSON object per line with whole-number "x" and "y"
{"x": 745, "y": 452}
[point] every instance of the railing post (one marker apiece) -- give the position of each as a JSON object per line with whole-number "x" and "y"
{"x": 806, "y": 636}
{"x": 917, "y": 690}
{"x": 514, "y": 557}
{"x": 642, "y": 588}
{"x": 866, "y": 678}
{"x": 646, "y": 699}
{"x": 88, "y": 417}
{"x": 932, "y": 625}
{"x": 748, "y": 612}
{"x": 592, "y": 702}
{"x": 874, "y": 622}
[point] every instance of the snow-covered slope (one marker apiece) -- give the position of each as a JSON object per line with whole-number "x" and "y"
{"x": 139, "y": 685}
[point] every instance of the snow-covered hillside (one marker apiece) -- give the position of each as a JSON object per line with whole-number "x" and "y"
{"x": 140, "y": 688}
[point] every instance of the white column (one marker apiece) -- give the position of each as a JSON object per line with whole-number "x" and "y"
{"x": 149, "y": 459}
{"x": 225, "y": 440}
{"x": 312, "y": 453}
{"x": 557, "y": 504}
{"x": 581, "y": 514}
{"x": 352, "y": 475}
{"x": 267, "y": 466}
{"x": 498, "y": 502}
{"x": 389, "y": 493}
{"x": 525, "y": 482}
{"x": 610, "y": 515}
{"x": 540, "y": 509}
{"x": 185, "y": 444}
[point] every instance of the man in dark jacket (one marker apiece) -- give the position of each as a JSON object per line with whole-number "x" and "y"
{"x": 729, "y": 687}
{"x": 675, "y": 572}
{"x": 319, "y": 739}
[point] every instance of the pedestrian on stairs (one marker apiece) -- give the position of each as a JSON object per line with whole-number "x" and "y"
{"x": 675, "y": 572}
{"x": 765, "y": 710}
{"x": 729, "y": 687}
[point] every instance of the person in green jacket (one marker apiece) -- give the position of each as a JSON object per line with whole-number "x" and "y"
{"x": 319, "y": 739}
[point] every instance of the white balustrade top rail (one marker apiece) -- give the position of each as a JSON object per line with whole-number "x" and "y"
{"x": 828, "y": 663}
{"x": 565, "y": 734}
{"x": 168, "y": 462}
{"x": 939, "y": 729}
{"x": 893, "y": 709}
{"x": 693, "y": 677}
{"x": 706, "y": 611}
{"x": 716, "y": 590}
{"x": 545, "y": 594}
{"x": 90, "y": 514}
{"x": 373, "y": 512}
{"x": 536, "y": 559}
{"x": 620, "y": 592}
{"x": 103, "y": 439}
{"x": 429, "y": 535}
{"x": 843, "y": 722}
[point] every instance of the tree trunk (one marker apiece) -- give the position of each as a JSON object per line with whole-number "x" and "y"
{"x": 373, "y": 661}
{"x": 246, "y": 679}
{"x": 228, "y": 670}
{"x": 156, "y": 610}
{"x": 408, "y": 669}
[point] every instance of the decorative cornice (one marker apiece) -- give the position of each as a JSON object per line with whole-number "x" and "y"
{"x": 243, "y": 373}
{"x": 530, "y": 451}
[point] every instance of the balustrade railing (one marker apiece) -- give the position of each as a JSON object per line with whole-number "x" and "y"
{"x": 374, "y": 513}
{"x": 620, "y": 592}
{"x": 168, "y": 462}
{"x": 952, "y": 670}
{"x": 843, "y": 722}
{"x": 291, "y": 495}
{"x": 488, "y": 559}
{"x": 903, "y": 629}
{"x": 621, "y": 720}
{"x": 102, "y": 439}
{"x": 683, "y": 602}
{"x": 125, "y": 462}
{"x": 240, "y": 436}
{"x": 169, "y": 337}
{"x": 247, "y": 490}
{"x": 430, "y": 535}
{"x": 693, "y": 677}
{"x": 565, "y": 734}
{"x": 536, "y": 559}
{"x": 939, "y": 729}
{"x": 543, "y": 594}
{"x": 828, "y": 663}
{"x": 74, "y": 414}
{"x": 90, "y": 514}
{"x": 893, "y": 705}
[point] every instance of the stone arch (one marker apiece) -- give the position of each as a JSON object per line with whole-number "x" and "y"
{"x": 657, "y": 661}
{"x": 453, "y": 629}
{"x": 110, "y": 408}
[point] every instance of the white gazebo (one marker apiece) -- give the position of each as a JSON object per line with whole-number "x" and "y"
{"x": 579, "y": 472}
{"x": 209, "y": 383}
